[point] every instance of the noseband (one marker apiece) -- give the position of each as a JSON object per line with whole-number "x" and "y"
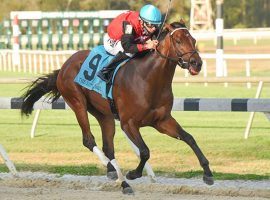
{"x": 179, "y": 59}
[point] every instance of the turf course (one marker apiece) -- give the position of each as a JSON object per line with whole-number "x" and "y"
{"x": 58, "y": 147}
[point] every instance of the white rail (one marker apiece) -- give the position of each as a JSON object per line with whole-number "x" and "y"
{"x": 33, "y": 61}
{"x": 7, "y": 161}
{"x": 41, "y": 61}
{"x": 254, "y": 34}
{"x": 180, "y": 104}
{"x": 237, "y": 56}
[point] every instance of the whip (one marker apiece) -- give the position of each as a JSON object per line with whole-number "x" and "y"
{"x": 168, "y": 8}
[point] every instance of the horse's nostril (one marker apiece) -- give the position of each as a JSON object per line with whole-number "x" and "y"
{"x": 199, "y": 65}
{"x": 193, "y": 62}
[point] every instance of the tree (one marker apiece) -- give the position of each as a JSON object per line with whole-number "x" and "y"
{"x": 240, "y": 13}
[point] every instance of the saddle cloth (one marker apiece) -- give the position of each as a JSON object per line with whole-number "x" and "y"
{"x": 87, "y": 76}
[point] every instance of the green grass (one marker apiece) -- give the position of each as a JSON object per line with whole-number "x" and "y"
{"x": 86, "y": 170}
{"x": 10, "y": 74}
{"x": 57, "y": 147}
{"x": 180, "y": 90}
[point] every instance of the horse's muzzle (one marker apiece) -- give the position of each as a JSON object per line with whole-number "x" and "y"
{"x": 195, "y": 65}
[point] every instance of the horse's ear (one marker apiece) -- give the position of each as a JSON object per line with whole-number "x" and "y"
{"x": 169, "y": 27}
{"x": 182, "y": 21}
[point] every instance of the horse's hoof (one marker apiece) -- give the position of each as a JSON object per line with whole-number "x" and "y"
{"x": 131, "y": 175}
{"x": 128, "y": 191}
{"x": 153, "y": 179}
{"x": 112, "y": 175}
{"x": 209, "y": 180}
{"x": 126, "y": 188}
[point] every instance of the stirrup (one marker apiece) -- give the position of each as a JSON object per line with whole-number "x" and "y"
{"x": 103, "y": 77}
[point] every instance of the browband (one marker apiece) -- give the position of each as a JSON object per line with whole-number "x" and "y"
{"x": 178, "y": 29}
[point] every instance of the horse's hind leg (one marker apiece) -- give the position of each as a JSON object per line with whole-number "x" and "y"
{"x": 78, "y": 103}
{"x": 107, "y": 125}
{"x": 79, "y": 108}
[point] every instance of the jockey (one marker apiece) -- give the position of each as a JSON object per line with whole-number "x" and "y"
{"x": 129, "y": 33}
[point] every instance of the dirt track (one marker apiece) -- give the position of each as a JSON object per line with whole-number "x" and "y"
{"x": 30, "y": 186}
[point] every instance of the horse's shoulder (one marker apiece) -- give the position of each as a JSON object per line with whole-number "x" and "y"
{"x": 139, "y": 57}
{"x": 142, "y": 54}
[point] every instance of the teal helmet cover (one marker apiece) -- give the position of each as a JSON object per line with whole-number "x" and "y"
{"x": 150, "y": 14}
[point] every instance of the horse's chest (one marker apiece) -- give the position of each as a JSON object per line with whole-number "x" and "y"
{"x": 154, "y": 114}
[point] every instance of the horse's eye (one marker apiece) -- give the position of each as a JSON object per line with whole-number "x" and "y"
{"x": 178, "y": 41}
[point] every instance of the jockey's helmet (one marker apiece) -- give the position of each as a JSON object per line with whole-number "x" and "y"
{"x": 150, "y": 14}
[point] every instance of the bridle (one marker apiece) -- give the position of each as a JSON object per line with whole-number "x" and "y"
{"x": 179, "y": 59}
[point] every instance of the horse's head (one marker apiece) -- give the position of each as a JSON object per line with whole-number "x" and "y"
{"x": 182, "y": 47}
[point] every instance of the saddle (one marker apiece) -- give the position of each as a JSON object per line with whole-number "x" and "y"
{"x": 87, "y": 77}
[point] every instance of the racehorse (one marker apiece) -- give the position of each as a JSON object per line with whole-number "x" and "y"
{"x": 142, "y": 94}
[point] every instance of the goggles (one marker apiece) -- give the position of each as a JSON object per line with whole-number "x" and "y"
{"x": 149, "y": 25}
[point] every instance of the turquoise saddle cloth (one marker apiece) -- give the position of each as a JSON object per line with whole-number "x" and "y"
{"x": 87, "y": 76}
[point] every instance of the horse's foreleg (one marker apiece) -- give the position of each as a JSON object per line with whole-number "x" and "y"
{"x": 134, "y": 135}
{"x": 170, "y": 127}
{"x": 147, "y": 166}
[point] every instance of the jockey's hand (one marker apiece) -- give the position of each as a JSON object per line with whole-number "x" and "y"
{"x": 151, "y": 44}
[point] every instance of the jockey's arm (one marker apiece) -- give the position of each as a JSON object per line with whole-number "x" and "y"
{"x": 155, "y": 35}
{"x": 128, "y": 40}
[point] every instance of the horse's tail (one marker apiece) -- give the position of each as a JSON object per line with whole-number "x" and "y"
{"x": 41, "y": 86}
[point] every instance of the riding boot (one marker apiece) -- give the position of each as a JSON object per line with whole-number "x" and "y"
{"x": 107, "y": 72}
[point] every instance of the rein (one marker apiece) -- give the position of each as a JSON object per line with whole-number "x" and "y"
{"x": 179, "y": 60}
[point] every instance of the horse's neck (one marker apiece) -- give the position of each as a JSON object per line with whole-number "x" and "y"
{"x": 159, "y": 68}
{"x": 164, "y": 68}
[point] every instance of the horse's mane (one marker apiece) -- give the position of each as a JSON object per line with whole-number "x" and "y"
{"x": 161, "y": 37}
{"x": 166, "y": 31}
{"x": 142, "y": 54}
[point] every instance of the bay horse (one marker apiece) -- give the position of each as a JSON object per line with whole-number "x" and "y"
{"x": 142, "y": 95}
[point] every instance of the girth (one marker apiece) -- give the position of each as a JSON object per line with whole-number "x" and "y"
{"x": 111, "y": 101}
{"x": 113, "y": 109}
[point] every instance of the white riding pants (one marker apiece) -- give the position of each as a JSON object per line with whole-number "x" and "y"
{"x": 113, "y": 46}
